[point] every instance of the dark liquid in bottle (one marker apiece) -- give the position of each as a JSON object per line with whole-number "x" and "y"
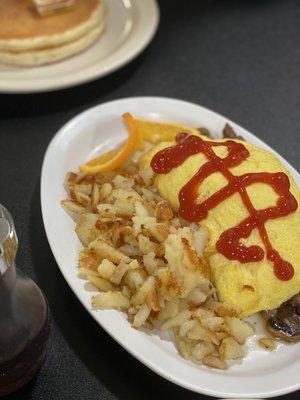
{"x": 24, "y": 330}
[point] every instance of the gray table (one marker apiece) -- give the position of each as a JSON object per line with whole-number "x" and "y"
{"x": 240, "y": 58}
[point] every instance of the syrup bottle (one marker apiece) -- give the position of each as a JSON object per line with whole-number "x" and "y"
{"x": 24, "y": 316}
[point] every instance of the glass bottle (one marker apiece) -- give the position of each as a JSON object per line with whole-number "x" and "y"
{"x": 24, "y": 316}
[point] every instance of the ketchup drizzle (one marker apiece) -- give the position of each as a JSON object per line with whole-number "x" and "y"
{"x": 229, "y": 242}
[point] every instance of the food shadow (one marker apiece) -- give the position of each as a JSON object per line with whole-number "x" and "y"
{"x": 116, "y": 369}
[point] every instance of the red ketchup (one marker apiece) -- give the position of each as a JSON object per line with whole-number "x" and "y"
{"x": 229, "y": 242}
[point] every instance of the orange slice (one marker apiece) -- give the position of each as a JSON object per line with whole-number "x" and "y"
{"x": 139, "y": 131}
{"x": 155, "y": 132}
{"x": 115, "y": 158}
{"x": 104, "y": 158}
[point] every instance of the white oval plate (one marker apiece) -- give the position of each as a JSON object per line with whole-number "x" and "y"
{"x": 262, "y": 373}
{"x": 131, "y": 25}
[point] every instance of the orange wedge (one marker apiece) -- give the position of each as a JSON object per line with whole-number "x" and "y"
{"x": 115, "y": 158}
{"x": 155, "y": 132}
{"x": 139, "y": 131}
{"x": 103, "y": 159}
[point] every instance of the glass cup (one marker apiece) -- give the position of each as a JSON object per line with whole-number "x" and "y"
{"x": 24, "y": 316}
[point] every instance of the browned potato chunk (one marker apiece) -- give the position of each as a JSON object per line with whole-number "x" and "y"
{"x": 109, "y": 300}
{"x": 239, "y": 329}
{"x": 230, "y": 349}
{"x": 201, "y": 350}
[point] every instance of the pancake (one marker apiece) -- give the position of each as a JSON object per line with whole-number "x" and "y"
{"x": 251, "y": 286}
{"x": 50, "y": 55}
{"x": 28, "y": 39}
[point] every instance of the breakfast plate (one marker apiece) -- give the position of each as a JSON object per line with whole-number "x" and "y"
{"x": 131, "y": 25}
{"x": 261, "y": 373}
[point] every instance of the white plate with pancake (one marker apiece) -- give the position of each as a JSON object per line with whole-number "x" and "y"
{"x": 261, "y": 373}
{"x": 130, "y": 26}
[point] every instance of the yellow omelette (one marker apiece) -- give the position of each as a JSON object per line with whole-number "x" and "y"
{"x": 251, "y": 286}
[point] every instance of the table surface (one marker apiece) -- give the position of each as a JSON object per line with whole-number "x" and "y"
{"x": 239, "y": 58}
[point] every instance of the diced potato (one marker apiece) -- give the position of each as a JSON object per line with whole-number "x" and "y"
{"x": 189, "y": 281}
{"x": 102, "y": 284}
{"x": 182, "y": 317}
{"x": 163, "y": 211}
{"x": 153, "y": 299}
{"x": 169, "y": 311}
{"x": 140, "y": 210}
{"x": 230, "y": 349}
{"x": 184, "y": 348}
{"x": 85, "y": 272}
{"x": 202, "y": 313}
{"x": 139, "y": 222}
{"x": 146, "y": 174}
{"x": 225, "y": 309}
{"x": 95, "y": 198}
{"x": 201, "y": 350}
{"x": 134, "y": 279}
{"x": 132, "y": 310}
{"x": 160, "y": 231}
{"x": 118, "y": 273}
{"x": 141, "y": 316}
{"x": 81, "y": 177}
{"x": 106, "y": 269}
{"x": 214, "y": 362}
{"x": 239, "y": 329}
{"x": 109, "y": 300}
{"x": 214, "y": 338}
{"x": 105, "y": 191}
{"x": 196, "y": 296}
{"x": 85, "y": 228}
{"x": 123, "y": 182}
{"x": 69, "y": 181}
{"x": 83, "y": 188}
{"x": 123, "y": 194}
{"x": 221, "y": 335}
{"x": 126, "y": 291}
{"x": 134, "y": 264}
{"x": 186, "y": 327}
{"x": 170, "y": 287}
{"x": 214, "y": 324}
{"x": 141, "y": 295}
{"x": 193, "y": 262}
{"x": 148, "y": 194}
{"x": 175, "y": 257}
{"x": 200, "y": 237}
{"x": 151, "y": 263}
{"x": 123, "y": 207}
{"x": 146, "y": 245}
{"x": 73, "y": 207}
{"x": 105, "y": 250}
{"x": 106, "y": 208}
{"x": 82, "y": 198}
{"x": 198, "y": 332}
{"x": 130, "y": 250}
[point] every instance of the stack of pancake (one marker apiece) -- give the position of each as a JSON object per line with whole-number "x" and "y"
{"x": 29, "y": 39}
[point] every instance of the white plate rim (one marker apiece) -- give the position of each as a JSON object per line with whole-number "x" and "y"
{"x": 153, "y": 366}
{"x": 133, "y": 49}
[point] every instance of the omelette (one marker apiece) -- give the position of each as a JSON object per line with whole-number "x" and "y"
{"x": 252, "y": 286}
